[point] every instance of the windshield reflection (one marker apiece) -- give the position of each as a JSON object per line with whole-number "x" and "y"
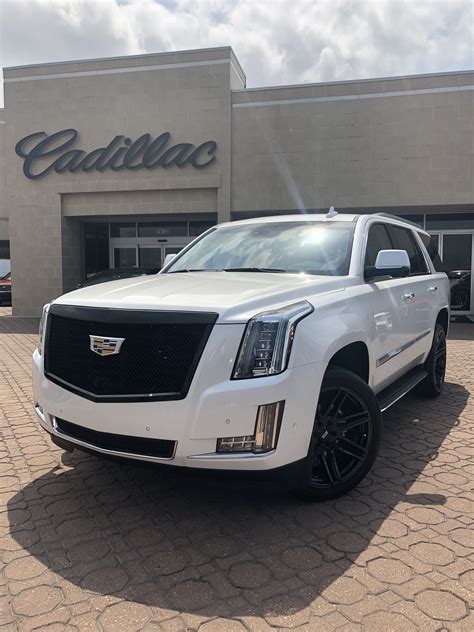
{"x": 310, "y": 247}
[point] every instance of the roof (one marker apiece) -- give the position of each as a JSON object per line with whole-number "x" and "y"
{"x": 303, "y": 217}
{"x": 319, "y": 217}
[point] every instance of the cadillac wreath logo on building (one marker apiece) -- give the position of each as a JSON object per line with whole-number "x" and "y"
{"x": 43, "y": 153}
{"x": 106, "y": 346}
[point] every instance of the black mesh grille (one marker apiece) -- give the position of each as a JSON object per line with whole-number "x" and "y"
{"x": 157, "y": 359}
{"x": 118, "y": 443}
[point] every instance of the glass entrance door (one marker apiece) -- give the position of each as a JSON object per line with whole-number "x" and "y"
{"x": 154, "y": 256}
{"x": 457, "y": 253}
{"x": 124, "y": 257}
{"x": 146, "y": 244}
{"x": 150, "y": 257}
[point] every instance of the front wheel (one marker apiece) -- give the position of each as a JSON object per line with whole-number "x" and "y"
{"x": 346, "y": 437}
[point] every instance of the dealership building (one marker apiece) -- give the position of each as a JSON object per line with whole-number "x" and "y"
{"x": 118, "y": 162}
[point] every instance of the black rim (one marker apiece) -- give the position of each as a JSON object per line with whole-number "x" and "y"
{"x": 461, "y": 300}
{"x": 342, "y": 437}
{"x": 440, "y": 360}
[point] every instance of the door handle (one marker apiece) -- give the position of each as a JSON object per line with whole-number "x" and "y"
{"x": 433, "y": 288}
{"x": 408, "y": 296}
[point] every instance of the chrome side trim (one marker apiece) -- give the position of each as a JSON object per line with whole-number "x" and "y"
{"x": 126, "y": 455}
{"x": 392, "y": 354}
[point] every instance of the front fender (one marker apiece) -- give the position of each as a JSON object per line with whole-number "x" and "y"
{"x": 333, "y": 326}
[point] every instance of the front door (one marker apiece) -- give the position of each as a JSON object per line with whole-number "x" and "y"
{"x": 393, "y": 305}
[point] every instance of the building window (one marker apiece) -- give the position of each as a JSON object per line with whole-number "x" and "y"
{"x": 198, "y": 227}
{"x": 96, "y": 238}
{"x": 162, "y": 229}
{"x": 450, "y": 221}
{"x": 123, "y": 229}
{"x": 457, "y": 263}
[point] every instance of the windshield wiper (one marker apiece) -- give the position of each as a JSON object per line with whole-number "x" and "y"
{"x": 227, "y": 270}
{"x": 193, "y": 270}
{"x": 253, "y": 270}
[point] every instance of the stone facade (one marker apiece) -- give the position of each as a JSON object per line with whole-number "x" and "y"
{"x": 403, "y": 143}
{"x": 392, "y": 142}
{"x": 3, "y": 207}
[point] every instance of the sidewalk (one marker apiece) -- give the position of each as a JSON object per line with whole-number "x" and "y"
{"x": 89, "y": 544}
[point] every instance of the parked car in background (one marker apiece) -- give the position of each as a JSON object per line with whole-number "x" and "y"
{"x": 265, "y": 344}
{"x": 112, "y": 274}
{"x": 460, "y": 282}
{"x": 6, "y": 289}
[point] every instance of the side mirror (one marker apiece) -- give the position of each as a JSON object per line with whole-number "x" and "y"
{"x": 394, "y": 263}
{"x": 168, "y": 259}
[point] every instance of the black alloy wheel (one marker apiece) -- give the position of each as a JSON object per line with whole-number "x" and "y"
{"x": 435, "y": 365}
{"x": 460, "y": 300}
{"x": 440, "y": 361}
{"x": 342, "y": 436}
{"x": 345, "y": 439}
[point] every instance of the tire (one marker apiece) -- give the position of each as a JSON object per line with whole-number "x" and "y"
{"x": 435, "y": 366}
{"x": 339, "y": 457}
{"x": 460, "y": 300}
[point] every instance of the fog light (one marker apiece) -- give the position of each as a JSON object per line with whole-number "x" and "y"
{"x": 236, "y": 444}
{"x": 265, "y": 437}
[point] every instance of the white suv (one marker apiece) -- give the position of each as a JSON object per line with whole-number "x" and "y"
{"x": 264, "y": 344}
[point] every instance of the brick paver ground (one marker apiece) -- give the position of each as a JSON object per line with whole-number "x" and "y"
{"x": 89, "y": 544}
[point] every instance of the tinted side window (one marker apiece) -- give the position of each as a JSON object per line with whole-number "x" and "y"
{"x": 403, "y": 239}
{"x": 431, "y": 245}
{"x": 377, "y": 240}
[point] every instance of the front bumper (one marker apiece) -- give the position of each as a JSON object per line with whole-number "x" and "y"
{"x": 212, "y": 409}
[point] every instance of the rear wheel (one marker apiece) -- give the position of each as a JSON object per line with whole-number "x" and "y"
{"x": 346, "y": 437}
{"x": 435, "y": 365}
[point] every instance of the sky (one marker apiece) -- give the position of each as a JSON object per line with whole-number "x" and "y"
{"x": 276, "y": 41}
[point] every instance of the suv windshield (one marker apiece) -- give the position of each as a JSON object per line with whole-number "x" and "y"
{"x": 310, "y": 247}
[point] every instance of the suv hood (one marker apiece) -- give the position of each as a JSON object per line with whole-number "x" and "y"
{"x": 235, "y": 296}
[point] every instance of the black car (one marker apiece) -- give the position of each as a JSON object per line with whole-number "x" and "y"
{"x": 460, "y": 281}
{"x": 6, "y": 289}
{"x": 117, "y": 273}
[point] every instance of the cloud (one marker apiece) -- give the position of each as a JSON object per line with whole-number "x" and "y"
{"x": 276, "y": 41}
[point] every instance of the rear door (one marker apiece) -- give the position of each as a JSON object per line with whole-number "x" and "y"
{"x": 393, "y": 313}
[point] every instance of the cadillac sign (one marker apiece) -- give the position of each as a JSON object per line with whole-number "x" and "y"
{"x": 43, "y": 153}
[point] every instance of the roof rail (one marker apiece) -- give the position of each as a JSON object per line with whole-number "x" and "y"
{"x": 400, "y": 219}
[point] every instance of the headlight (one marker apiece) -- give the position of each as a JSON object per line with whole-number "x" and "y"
{"x": 41, "y": 330}
{"x": 266, "y": 344}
